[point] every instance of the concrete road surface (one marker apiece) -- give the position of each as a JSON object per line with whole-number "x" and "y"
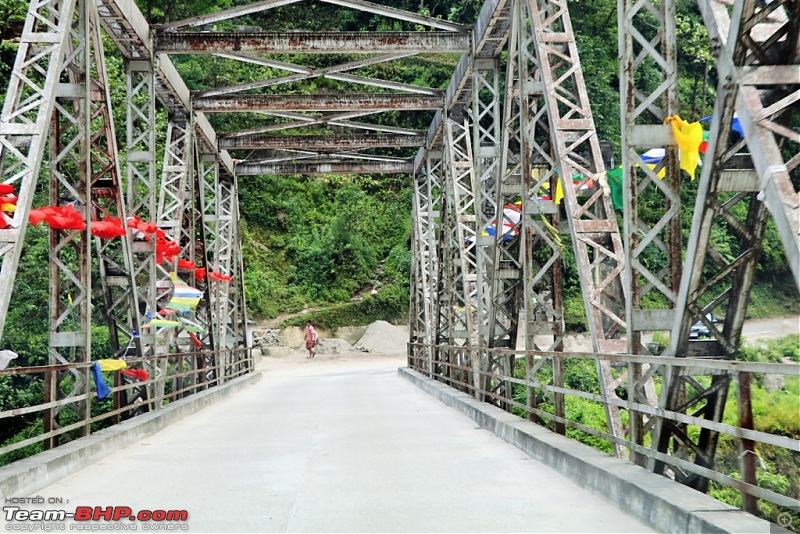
{"x": 337, "y": 444}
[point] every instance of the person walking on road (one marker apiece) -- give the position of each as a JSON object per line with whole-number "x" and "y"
{"x": 311, "y": 339}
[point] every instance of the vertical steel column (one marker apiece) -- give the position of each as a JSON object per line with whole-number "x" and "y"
{"x": 208, "y": 179}
{"x": 645, "y": 46}
{"x": 141, "y": 182}
{"x": 222, "y": 261}
{"x": 423, "y": 324}
{"x": 438, "y": 245}
{"x": 70, "y": 249}
{"x": 25, "y": 121}
{"x": 461, "y": 197}
{"x": 756, "y": 47}
{"x": 203, "y": 165}
{"x": 170, "y": 209}
{"x": 172, "y": 199}
{"x": 593, "y": 225}
{"x": 115, "y": 257}
{"x": 486, "y": 151}
{"x": 529, "y": 165}
{"x": 237, "y": 323}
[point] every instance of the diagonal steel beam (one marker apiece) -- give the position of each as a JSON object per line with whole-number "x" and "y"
{"x": 311, "y": 42}
{"x": 341, "y": 102}
{"x": 305, "y": 73}
{"x": 322, "y": 142}
{"x": 227, "y": 14}
{"x": 399, "y": 14}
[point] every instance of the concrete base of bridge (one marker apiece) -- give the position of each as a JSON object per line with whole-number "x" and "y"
{"x": 32, "y": 474}
{"x": 663, "y": 504}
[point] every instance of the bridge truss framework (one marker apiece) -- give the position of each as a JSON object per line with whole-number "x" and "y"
{"x": 513, "y": 127}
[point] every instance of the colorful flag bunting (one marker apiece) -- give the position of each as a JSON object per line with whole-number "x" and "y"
{"x": 184, "y": 297}
{"x": 112, "y": 365}
{"x": 102, "y": 389}
{"x": 139, "y": 374}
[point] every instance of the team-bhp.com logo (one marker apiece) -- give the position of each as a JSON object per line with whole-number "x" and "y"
{"x": 94, "y": 518}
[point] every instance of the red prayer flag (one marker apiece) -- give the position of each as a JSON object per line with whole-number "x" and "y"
{"x": 186, "y": 265}
{"x": 214, "y": 275}
{"x": 57, "y": 217}
{"x": 108, "y": 228}
{"x": 195, "y": 341}
{"x": 200, "y": 274}
{"x": 139, "y": 374}
{"x": 6, "y": 189}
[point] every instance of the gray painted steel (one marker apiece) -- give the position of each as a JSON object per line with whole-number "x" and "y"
{"x": 312, "y": 42}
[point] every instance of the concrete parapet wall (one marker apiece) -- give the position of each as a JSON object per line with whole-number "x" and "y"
{"x": 24, "y": 477}
{"x": 661, "y": 503}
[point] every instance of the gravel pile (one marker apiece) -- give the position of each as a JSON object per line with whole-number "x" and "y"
{"x": 384, "y": 338}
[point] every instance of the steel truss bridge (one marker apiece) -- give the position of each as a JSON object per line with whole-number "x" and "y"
{"x": 513, "y": 121}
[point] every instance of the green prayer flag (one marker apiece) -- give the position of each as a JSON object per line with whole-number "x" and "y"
{"x": 615, "y": 184}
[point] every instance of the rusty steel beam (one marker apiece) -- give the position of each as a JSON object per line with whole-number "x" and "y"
{"x": 311, "y": 42}
{"x": 331, "y": 167}
{"x": 326, "y": 102}
{"x": 322, "y": 142}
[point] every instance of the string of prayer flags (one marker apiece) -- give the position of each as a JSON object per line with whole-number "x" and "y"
{"x": 184, "y": 297}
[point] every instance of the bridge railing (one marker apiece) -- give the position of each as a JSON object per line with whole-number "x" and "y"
{"x": 531, "y": 384}
{"x": 54, "y": 411}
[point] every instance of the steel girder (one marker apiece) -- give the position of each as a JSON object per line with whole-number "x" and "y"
{"x": 656, "y": 241}
{"x": 332, "y": 142}
{"x": 312, "y": 42}
{"x": 24, "y": 124}
{"x": 751, "y": 41}
{"x": 325, "y": 167}
{"x": 593, "y": 226}
{"x": 341, "y": 102}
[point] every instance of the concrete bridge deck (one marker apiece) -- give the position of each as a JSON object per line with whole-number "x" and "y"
{"x": 337, "y": 445}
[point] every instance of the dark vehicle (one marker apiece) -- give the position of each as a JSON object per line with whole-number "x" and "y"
{"x": 699, "y": 329}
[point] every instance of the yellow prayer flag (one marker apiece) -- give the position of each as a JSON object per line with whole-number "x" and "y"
{"x": 688, "y": 136}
